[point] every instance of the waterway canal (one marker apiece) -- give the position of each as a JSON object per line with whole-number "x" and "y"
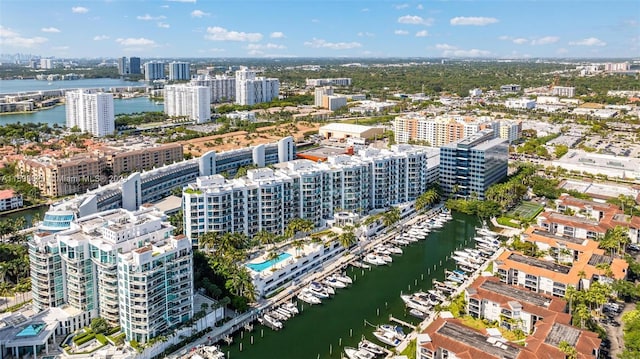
{"x": 375, "y": 295}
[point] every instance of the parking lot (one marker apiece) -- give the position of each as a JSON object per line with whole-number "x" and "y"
{"x": 617, "y": 143}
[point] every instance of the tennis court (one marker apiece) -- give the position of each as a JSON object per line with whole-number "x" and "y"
{"x": 526, "y": 211}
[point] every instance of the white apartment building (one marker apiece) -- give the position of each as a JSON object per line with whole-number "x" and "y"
{"x": 251, "y": 89}
{"x": 615, "y": 67}
{"x": 563, "y": 91}
{"x": 179, "y": 71}
{"x": 187, "y": 100}
{"x": 520, "y": 103}
{"x": 339, "y": 81}
{"x": 123, "y": 266}
{"x": 475, "y": 92}
{"x": 510, "y": 130}
{"x": 10, "y": 199}
{"x": 223, "y": 87}
{"x": 320, "y": 93}
{"x": 46, "y": 64}
{"x": 440, "y": 130}
{"x": 153, "y": 71}
{"x": 333, "y": 103}
{"x": 267, "y": 199}
{"x": 91, "y": 112}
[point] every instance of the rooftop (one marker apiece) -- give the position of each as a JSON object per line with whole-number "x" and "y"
{"x": 477, "y": 340}
{"x": 516, "y": 293}
{"x": 551, "y": 266}
{"x": 562, "y": 333}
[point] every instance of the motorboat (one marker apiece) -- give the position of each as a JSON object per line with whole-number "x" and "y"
{"x": 385, "y": 257}
{"x": 411, "y": 302}
{"x": 343, "y": 278}
{"x": 371, "y": 347}
{"x": 437, "y": 294}
{"x": 333, "y": 282}
{"x": 309, "y": 298}
{"x": 394, "y": 250}
{"x": 417, "y": 313}
{"x": 353, "y": 353}
{"x": 271, "y": 322}
{"x": 291, "y": 308}
{"x": 399, "y": 241}
{"x": 466, "y": 269}
{"x": 387, "y": 338}
{"x": 374, "y": 259}
{"x": 318, "y": 290}
{"x": 381, "y": 250}
{"x": 395, "y": 329}
{"x": 277, "y": 315}
{"x": 359, "y": 264}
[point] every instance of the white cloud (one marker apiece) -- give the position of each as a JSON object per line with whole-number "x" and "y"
{"x": 100, "y": 37}
{"x": 590, "y": 41}
{"x": 79, "y": 10}
{"x": 255, "y": 52}
{"x": 401, "y": 6}
{"x": 217, "y": 33}
{"x": 199, "y": 13}
{"x": 423, "y": 33}
{"x": 268, "y": 46}
{"x": 49, "y": 29}
{"x": 366, "y": 34}
{"x": 366, "y": 9}
{"x": 453, "y": 51}
{"x": 215, "y": 49}
{"x": 163, "y": 25}
{"x": 147, "y": 17}
{"x": 141, "y": 41}
{"x": 323, "y": 44}
{"x": 562, "y": 51}
{"x": 277, "y": 35}
{"x": 415, "y": 20}
{"x": 164, "y": 6}
{"x": 187, "y": 1}
{"x": 315, "y": 21}
{"x": 401, "y": 32}
{"x": 545, "y": 40}
{"x": 60, "y": 48}
{"x": 504, "y": 37}
{"x": 520, "y": 41}
{"x": 419, "y": 7}
{"x": 12, "y": 38}
{"x": 473, "y": 20}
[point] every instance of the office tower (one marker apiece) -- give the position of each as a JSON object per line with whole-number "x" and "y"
{"x": 179, "y": 71}
{"x": 134, "y": 66}
{"x": 123, "y": 66}
{"x": 153, "y": 71}
{"x": 90, "y": 112}
{"x": 190, "y": 101}
{"x": 469, "y": 166}
{"x": 251, "y": 90}
{"x": 223, "y": 87}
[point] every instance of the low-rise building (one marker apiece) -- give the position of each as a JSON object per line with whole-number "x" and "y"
{"x": 520, "y": 103}
{"x": 343, "y": 131}
{"x": 595, "y": 163}
{"x": 10, "y": 199}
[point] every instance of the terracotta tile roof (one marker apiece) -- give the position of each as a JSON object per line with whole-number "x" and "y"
{"x": 7, "y": 194}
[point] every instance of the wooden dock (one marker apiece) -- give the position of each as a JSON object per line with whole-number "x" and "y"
{"x": 401, "y": 322}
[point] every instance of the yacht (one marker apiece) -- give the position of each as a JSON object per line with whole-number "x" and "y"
{"x": 333, "y": 282}
{"x": 379, "y": 250}
{"x": 385, "y": 257}
{"x": 394, "y": 249}
{"x": 371, "y": 347}
{"x": 359, "y": 264}
{"x": 411, "y": 302}
{"x": 271, "y": 322}
{"x": 291, "y": 308}
{"x": 437, "y": 294}
{"x": 318, "y": 290}
{"x": 399, "y": 241}
{"x": 394, "y": 329}
{"x": 353, "y": 353}
{"x": 387, "y": 338}
{"x": 309, "y": 298}
{"x": 343, "y": 278}
{"x": 417, "y": 313}
{"x": 277, "y": 315}
{"x": 374, "y": 259}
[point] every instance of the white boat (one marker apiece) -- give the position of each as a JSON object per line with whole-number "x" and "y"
{"x": 381, "y": 250}
{"x": 371, "y": 347}
{"x": 359, "y": 264}
{"x": 278, "y": 315}
{"x": 417, "y": 313}
{"x": 387, "y": 338}
{"x": 374, "y": 259}
{"x": 353, "y": 353}
{"x": 333, "y": 282}
{"x": 385, "y": 257}
{"x": 394, "y": 250}
{"x": 344, "y": 278}
{"x": 309, "y": 298}
{"x": 271, "y": 322}
{"x": 291, "y": 307}
{"x": 399, "y": 241}
{"x": 412, "y": 303}
{"x": 395, "y": 329}
{"x": 318, "y": 290}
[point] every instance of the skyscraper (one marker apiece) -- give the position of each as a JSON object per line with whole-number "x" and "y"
{"x": 469, "y": 166}
{"x": 134, "y": 66}
{"x": 187, "y": 100}
{"x": 123, "y": 66}
{"x": 178, "y": 71}
{"x": 223, "y": 88}
{"x": 251, "y": 90}
{"x": 91, "y": 112}
{"x": 153, "y": 71}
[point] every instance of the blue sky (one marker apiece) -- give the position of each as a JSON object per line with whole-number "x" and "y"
{"x": 328, "y": 28}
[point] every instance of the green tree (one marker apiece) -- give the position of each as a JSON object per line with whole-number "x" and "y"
{"x": 347, "y": 238}
{"x": 99, "y": 325}
{"x": 569, "y": 350}
{"x": 391, "y": 217}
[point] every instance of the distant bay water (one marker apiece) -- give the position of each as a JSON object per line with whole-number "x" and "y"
{"x": 57, "y": 113}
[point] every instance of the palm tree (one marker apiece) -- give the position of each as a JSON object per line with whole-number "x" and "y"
{"x": 347, "y": 238}
{"x": 207, "y": 241}
{"x": 298, "y": 245}
{"x": 582, "y": 314}
{"x": 265, "y": 237}
{"x": 427, "y": 199}
{"x": 391, "y": 217}
{"x": 297, "y": 225}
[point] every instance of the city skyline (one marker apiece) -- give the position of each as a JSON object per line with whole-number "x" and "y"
{"x": 192, "y": 28}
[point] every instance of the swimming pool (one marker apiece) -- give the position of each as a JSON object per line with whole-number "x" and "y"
{"x": 259, "y": 267}
{"x": 31, "y": 330}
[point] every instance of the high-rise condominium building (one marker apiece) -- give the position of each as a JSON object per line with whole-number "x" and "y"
{"x": 267, "y": 199}
{"x": 319, "y": 94}
{"x": 46, "y": 64}
{"x": 179, "y": 71}
{"x": 251, "y": 90}
{"x": 153, "y": 71}
{"x": 123, "y": 66}
{"x": 123, "y": 266}
{"x": 564, "y": 91}
{"x": 190, "y": 101}
{"x": 441, "y": 130}
{"x": 468, "y": 167}
{"x": 134, "y": 66}
{"x": 223, "y": 87}
{"x": 90, "y": 112}
{"x": 340, "y": 81}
